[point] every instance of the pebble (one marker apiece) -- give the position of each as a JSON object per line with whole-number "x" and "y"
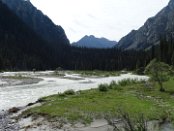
{"x": 6, "y": 123}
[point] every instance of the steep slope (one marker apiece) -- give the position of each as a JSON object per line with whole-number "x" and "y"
{"x": 93, "y": 42}
{"x": 40, "y": 23}
{"x": 162, "y": 25}
{"x": 21, "y": 48}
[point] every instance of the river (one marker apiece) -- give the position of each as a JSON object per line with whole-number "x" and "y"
{"x": 21, "y": 95}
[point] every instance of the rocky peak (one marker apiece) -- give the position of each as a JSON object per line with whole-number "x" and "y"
{"x": 151, "y": 32}
{"x": 171, "y": 4}
{"x": 39, "y": 22}
{"x": 92, "y": 42}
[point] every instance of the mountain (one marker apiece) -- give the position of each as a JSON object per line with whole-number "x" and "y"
{"x": 155, "y": 28}
{"x": 39, "y": 22}
{"x": 21, "y": 48}
{"x": 93, "y": 42}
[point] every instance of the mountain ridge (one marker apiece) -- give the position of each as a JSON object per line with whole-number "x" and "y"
{"x": 40, "y": 23}
{"x": 161, "y": 25}
{"x": 93, "y": 42}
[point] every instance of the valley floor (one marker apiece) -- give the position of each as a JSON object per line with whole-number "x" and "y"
{"x": 17, "y": 89}
{"x": 94, "y": 109}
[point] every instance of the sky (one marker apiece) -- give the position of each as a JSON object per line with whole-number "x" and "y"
{"x": 111, "y": 19}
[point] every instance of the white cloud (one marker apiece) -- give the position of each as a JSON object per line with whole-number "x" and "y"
{"x": 103, "y": 18}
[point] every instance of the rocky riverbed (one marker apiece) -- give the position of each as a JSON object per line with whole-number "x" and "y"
{"x": 7, "y": 123}
{"x": 18, "y": 89}
{"x": 21, "y": 95}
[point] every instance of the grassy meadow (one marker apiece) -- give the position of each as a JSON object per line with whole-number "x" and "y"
{"x": 135, "y": 98}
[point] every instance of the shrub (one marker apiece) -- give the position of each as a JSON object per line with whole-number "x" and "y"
{"x": 128, "y": 123}
{"x": 159, "y": 72}
{"x": 69, "y": 92}
{"x": 140, "y": 71}
{"x": 171, "y": 71}
{"x": 61, "y": 94}
{"x": 112, "y": 85}
{"x": 127, "y": 82}
{"x": 124, "y": 82}
{"x": 103, "y": 87}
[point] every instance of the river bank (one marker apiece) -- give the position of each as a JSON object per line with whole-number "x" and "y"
{"x": 93, "y": 109}
{"x": 7, "y": 123}
{"x": 22, "y": 95}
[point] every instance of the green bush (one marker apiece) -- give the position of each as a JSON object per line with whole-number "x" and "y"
{"x": 69, "y": 92}
{"x": 112, "y": 85}
{"x": 140, "y": 71}
{"x": 61, "y": 94}
{"x": 103, "y": 87}
{"x": 127, "y": 82}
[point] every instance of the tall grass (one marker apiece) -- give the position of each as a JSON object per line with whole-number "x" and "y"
{"x": 117, "y": 85}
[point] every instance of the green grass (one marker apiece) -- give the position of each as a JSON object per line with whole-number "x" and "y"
{"x": 16, "y": 77}
{"x": 133, "y": 97}
{"x": 98, "y": 73}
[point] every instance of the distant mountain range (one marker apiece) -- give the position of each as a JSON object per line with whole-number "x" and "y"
{"x": 93, "y": 42}
{"x": 39, "y": 22}
{"x": 155, "y": 28}
{"x": 149, "y": 34}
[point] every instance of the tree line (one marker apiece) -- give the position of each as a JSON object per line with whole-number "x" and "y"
{"x": 118, "y": 59}
{"x": 22, "y": 49}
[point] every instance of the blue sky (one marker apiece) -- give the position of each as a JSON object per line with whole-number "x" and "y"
{"x": 111, "y": 19}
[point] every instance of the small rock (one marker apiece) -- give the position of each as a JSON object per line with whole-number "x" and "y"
{"x": 13, "y": 110}
{"x": 30, "y": 104}
{"x": 40, "y": 101}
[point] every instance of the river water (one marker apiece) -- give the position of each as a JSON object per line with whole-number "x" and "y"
{"x": 21, "y": 95}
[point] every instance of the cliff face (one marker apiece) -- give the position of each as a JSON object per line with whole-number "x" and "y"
{"x": 151, "y": 32}
{"x": 39, "y": 22}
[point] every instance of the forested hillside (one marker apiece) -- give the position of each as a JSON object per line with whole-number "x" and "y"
{"x": 21, "y": 48}
{"x": 40, "y": 23}
{"x": 117, "y": 59}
